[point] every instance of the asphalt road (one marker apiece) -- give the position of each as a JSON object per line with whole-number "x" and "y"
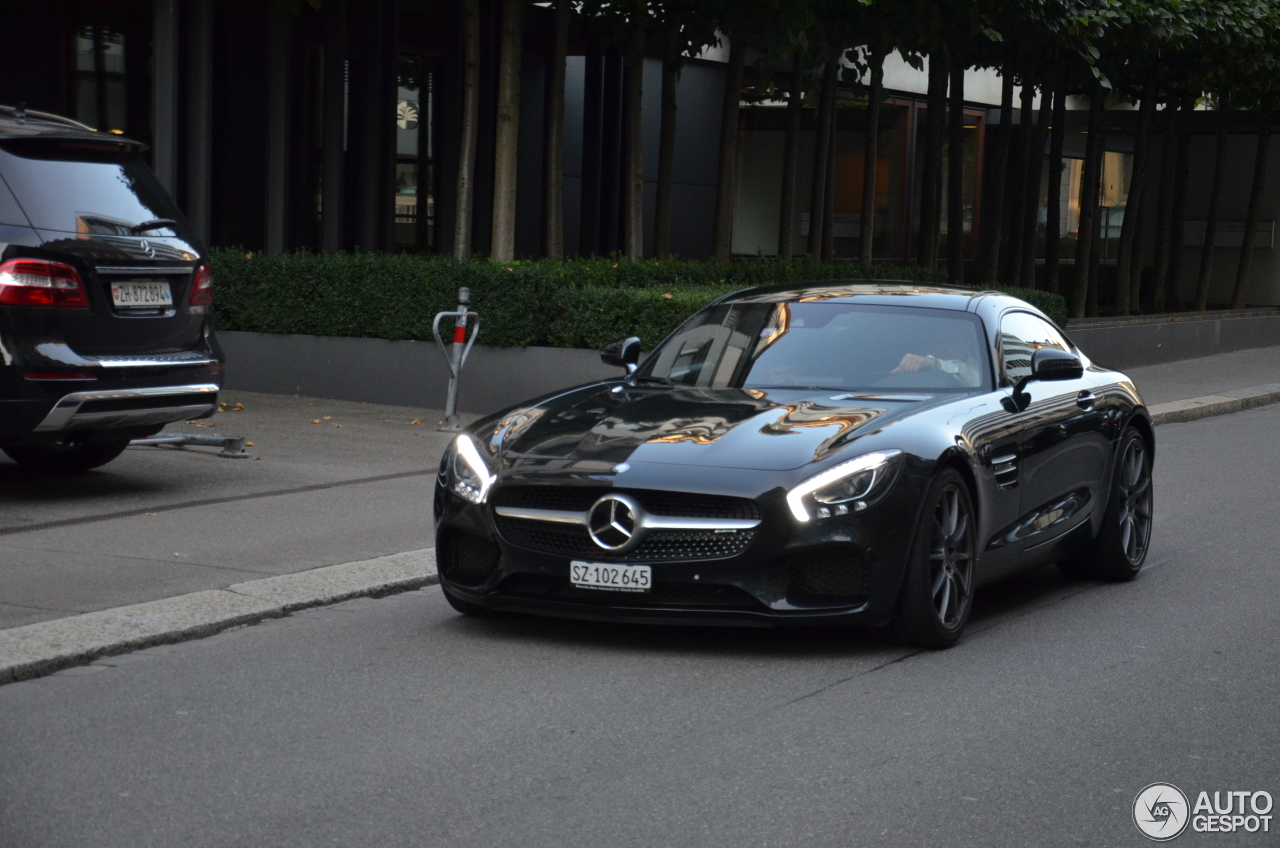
{"x": 396, "y": 722}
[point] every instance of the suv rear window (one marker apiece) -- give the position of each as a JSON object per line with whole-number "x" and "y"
{"x": 83, "y": 187}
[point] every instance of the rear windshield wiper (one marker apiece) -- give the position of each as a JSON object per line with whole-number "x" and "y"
{"x": 145, "y": 226}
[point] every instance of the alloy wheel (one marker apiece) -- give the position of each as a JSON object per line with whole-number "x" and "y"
{"x": 1135, "y": 509}
{"x": 951, "y": 557}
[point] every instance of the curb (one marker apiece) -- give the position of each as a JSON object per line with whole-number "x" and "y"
{"x": 1192, "y": 409}
{"x": 43, "y": 648}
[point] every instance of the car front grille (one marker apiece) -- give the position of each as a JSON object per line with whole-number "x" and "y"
{"x": 575, "y": 542}
{"x": 710, "y": 595}
{"x": 580, "y": 499}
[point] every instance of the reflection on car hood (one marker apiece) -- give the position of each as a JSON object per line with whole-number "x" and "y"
{"x": 725, "y": 428}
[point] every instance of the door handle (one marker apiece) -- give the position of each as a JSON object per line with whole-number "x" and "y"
{"x": 1085, "y": 400}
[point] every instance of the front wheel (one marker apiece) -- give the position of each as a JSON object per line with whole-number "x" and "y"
{"x": 937, "y": 594}
{"x": 66, "y": 457}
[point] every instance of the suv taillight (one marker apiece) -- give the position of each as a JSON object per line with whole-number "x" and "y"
{"x": 202, "y": 286}
{"x": 37, "y": 282}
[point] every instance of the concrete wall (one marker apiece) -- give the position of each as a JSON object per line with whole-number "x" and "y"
{"x": 404, "y": 373}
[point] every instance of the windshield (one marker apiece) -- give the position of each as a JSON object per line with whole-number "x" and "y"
{"x": 827, "y": 345}
{"x": 85, "y": 189}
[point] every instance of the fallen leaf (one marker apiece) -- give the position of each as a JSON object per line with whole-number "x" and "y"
{"x": 315, "y": 420}
{"x": 205, "y": 424}
{"x": 256, "y": 458}
{"x": 667, "y": 296}
{"x": 415, "y": 422}
{"x": 339, "y": 426}
{"x": 149, "y": 514}
{"x": 327, "y": 417}
{"x": 248, "y": 444}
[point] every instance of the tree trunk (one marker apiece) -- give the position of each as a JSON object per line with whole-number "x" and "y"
{"x": 1130, "y": 244}
{"x": 931, "y": 173}
{"x": 507, "y": 133}
{"x": 993, "y": 217}
{"x": 667, "y": 142}
{"x": 333, "y": 131}
{"x": 633, "y": 200}
{"x": 1241, "y": 295}
{"x": 790, "y": 158}
{"x": 821, "y": 153}
{"x": 871, "y": 156}
{"x": 1031, "y": 200}
{"x": 1173, "y": 294}
{"x": 1160, "y": 273}
{"x": 553, "y": 165}
{"x": 1021, "y": 181}
{"x": 1088, "y": 204}
{"x": 470, "y": 11}
{"x": 1053, "y": 202}
{"x": 1215, "y": 203}
{"x": 829, "y": 195}
{"x": 725, "y": 182}
{"x": 955, "y": 177}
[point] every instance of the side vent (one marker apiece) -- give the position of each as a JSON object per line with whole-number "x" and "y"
{"x": 1006, "y": 470}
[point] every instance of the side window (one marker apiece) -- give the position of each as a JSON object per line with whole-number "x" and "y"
{"x": 1021, "y": 335}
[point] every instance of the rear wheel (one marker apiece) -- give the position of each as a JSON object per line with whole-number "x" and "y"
{"x": 66, "y": 457}
{"x": 937, "y": 594}
{"x": 1119, "y": 550}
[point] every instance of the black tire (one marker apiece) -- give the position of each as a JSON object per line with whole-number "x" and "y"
{"x": 66, "y": 457}
{"x": 937, "y": 592}
{"x": 469, "y": 609}
{"x": 1120, "y": 548}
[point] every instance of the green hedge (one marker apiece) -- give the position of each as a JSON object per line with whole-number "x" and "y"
{"x": 583, "y": 303}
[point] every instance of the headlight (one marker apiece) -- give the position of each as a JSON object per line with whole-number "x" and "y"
{"x": 471, "y": 477}
{"x": 849, "y": 487}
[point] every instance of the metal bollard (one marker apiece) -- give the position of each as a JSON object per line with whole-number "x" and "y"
{"x": 456, "y": 356}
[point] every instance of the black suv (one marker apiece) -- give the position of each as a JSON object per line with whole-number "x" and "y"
{"x": 106, "y": 298}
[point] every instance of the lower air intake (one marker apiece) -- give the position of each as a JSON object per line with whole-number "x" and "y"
{"x": 466, "y": 559}
{"x": 828, "y": 574}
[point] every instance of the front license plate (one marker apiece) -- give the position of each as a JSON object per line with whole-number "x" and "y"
{"x": 139, "y": 295}
{"x": 616, "y": 578}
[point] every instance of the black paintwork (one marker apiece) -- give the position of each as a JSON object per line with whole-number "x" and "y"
{"x": 51, "y": 340}
{"x": 1062, "y": 435}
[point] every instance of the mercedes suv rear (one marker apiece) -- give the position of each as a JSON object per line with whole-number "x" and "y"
{"x": 105, "y": 298}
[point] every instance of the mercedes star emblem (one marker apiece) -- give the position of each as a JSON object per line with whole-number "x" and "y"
{"x": 147, "y": 249}
{"x": 613, "y": 522}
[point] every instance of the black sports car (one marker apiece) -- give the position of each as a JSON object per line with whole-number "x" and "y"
{"x": 835, "y": 452}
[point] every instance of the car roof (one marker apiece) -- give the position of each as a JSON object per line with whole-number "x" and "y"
{"x": 16, "y": 122}
{"x": 873, "y": 292}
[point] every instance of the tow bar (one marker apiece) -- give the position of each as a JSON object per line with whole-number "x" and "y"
{"x": 232, "y": 446}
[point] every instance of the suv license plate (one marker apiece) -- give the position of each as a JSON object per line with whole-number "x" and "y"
{"x": 616, "y": 578}
{"x": 139, "y": 295}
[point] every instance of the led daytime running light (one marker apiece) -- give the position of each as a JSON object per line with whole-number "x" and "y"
{"x": 468, "y": 453}
{"x": 869, "y": 462}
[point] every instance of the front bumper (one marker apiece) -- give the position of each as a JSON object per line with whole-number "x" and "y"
{"x": 841, "y": 570}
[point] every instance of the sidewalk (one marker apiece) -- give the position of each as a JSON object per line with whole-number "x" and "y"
{"x": 160, "y": 522}
{"x": 1210, "y": 375}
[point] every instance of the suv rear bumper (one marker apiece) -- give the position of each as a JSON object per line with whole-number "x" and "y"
{"x": 138, "y": 407}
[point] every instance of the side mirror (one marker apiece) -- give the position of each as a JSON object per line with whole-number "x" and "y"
{"x": 1047, "y": 364}
{"x": 624, "y": 353}
{"x": 1051, "y": 364}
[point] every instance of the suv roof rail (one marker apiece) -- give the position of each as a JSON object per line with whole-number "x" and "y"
{"x": 20, "y": 111}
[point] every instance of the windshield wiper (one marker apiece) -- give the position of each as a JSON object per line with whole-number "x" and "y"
{"x": 647, "y": 378}
{"x": 145, "y": 226}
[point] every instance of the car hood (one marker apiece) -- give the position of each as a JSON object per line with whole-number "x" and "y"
{"x": 772, "y": 430}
